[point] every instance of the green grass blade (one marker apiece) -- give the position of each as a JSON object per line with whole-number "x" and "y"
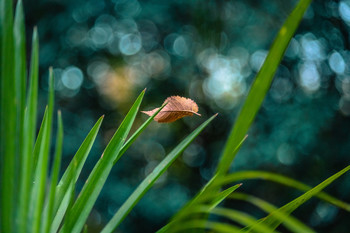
{"x": 29, "y": 136}
{"x": 245, "y": 175}
{"x": 47, "y": 216}
{"x": 205, "y": 224}
{"x": 148, "y": 182}
{"x": 261, "y": 85}
{"x": 214, "y": 200}
{"x": 74, "y": 168}
{"x": 136, "y": 134}
{"x": 277, "y": 217}
{"x": 43, "y": 144}
{"x": 8, "y": 118}
{"x": 291, "y": 223}
{"x": 77, "y": 216}
{"x": 63, "y": 208}
{"x": 20, "y": 81}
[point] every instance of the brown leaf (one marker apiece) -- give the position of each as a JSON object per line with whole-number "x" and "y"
{"x": 176, "y": 108}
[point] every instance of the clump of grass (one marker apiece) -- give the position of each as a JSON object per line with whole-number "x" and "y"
{"x": 31, "y": 201}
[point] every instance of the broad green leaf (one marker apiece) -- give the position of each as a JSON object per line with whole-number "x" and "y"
{"x": 277, "y": 217}
{"x": 8, "y": 118}
{"x": 76, "y": 218}
{"x": 74, "y": 168}
{"x": 48, "y": 214}
{"x": 40, "y": 171}
{"x": 291, "y": 223}
{"x": 245, "y": 175}
{"x": 148, "y": 182}
{"x": 29, "y": 128}
{"x": 261, "y": 85}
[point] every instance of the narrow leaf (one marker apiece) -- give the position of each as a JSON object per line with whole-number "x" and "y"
{"x": 290, "y": 222}
{"x": 75, "y": 167}
{"x": 80, "y": 211}
{"x": 8, "y": 118}
{"x": 176, "y": 107}
{"x": 148, "y": 182}
{"x": 261, "y": 85}
{"x": 43, "y": 144}
{"x": 245, "y": 175}
{"x": 30, "y": 118}
{"x": 136, "y": 134}
{"x": 20, "y": 81}
{"x": 277, "y": 217}
{"x": 47, "y": 216}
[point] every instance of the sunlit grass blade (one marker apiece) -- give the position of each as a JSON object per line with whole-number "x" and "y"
{"x": 63, "y": 208}
{"x": 74, "y": 168}
{"x": 261, "y": 85}
{"x": 29, "y": 128}
{"x": 136, "y": 134}
{"x": 40, "y": 170}
{"x": 47, "y": 216}
{"x": 290, "y": 222}
{"x": 277, "y": 217}
{"x": 214, "y": 200}
{"x": 20, "y": 85}
{"x": 76, "y": 218}
{"x": 8, "y": 118}
{"x": 148, "y": 182}
{"x": 205, "y": 224}
{"x": 246, "y": 175}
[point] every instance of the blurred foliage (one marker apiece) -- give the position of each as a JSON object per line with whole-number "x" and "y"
{"x": 105, "y": 52}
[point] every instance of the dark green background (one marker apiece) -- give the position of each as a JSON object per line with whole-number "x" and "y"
{"x": 105, "y": 52}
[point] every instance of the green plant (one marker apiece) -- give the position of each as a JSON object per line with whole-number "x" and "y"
{"x": 26, "y": 206}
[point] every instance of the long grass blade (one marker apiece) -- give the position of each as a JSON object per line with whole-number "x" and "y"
{"x": 76, "y": 218}
{"x": 190, "y": 226}
{"x": 148, "y": 182}
{"x": 20, "y": 81}
{"x": 47, "y": 216}
{"x": 40, "y": 176}
{"x": 7, "y": 118}
{"x": 277, "y": 217}
{"x": 290, "y": 222}
{"x": 29, "y": 136}
{"x": 245, "y": 175}
{"x": 74, "y": 168}
{"x": 137, "y": 133}
{"x": 261, "y": 85}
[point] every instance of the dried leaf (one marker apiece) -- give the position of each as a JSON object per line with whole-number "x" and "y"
{"x": 176, "y": 108}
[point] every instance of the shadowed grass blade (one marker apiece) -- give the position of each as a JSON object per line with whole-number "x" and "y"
{"x": 47, "y": 216}
{"x": 245, "y": 175}
{"x": 277, "y": 217}
{"x": 20, "y": 82}
{"x": 148, "y": 182}
{"x": 29, "y": 129}
{"x": 8, "y": 118}
{"x": 76, "y": 218}
{"x": 42, "y": 148}
{"x": 261, "y": 85}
